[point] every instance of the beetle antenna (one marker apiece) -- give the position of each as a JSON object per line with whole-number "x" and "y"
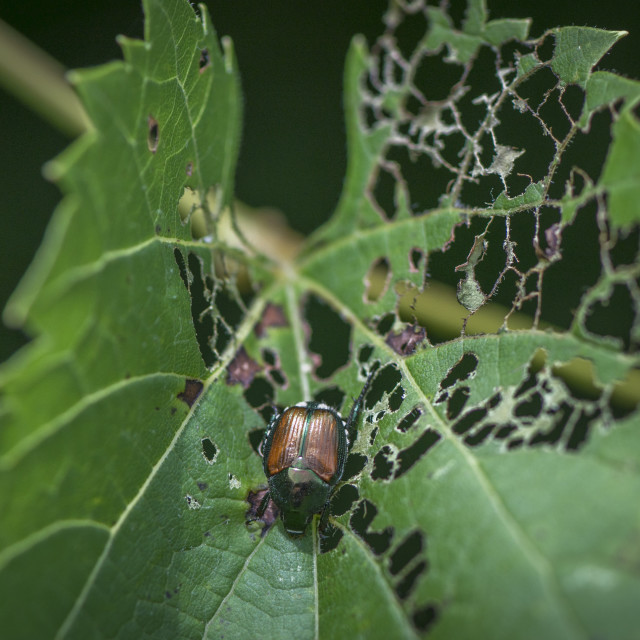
{"x": 357, "y": 405}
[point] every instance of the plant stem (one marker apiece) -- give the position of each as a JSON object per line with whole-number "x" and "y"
{"x": 38, "y": 80}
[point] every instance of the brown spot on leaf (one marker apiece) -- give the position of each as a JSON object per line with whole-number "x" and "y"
{"x": 192, "y": 389}
{"x": 553, "y": 236}
{"x": 242, "y": 369}
{"x": 273, "y": 316}
{"x": 406, "y": 341}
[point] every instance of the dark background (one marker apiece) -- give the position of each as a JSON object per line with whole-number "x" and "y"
{"x": 291, "y": 57}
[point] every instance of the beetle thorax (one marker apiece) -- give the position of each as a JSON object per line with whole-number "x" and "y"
{"x": 308, "y": 492}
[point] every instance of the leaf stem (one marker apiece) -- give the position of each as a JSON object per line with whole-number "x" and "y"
{"x": 38, "y": 80}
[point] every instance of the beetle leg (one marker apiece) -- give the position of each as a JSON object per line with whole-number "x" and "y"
{"x": 355, "y": 409}
{"x": 263, "y": 505}
{"x": 324, "y": 517}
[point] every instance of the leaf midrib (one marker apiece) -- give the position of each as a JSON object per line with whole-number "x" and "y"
{"x": 534, "y": 556}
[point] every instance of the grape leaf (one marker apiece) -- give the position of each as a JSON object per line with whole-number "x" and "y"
{"x": 490, "y": 491}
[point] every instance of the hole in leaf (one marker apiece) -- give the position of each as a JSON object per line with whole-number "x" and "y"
{"x": 457, "y": 402}
{"x": 505, "y": 431}
{"x": 396, "y": 398}
{"x": 546, "y": 48}
{"x": 581, "y": 429}
{"x": 256, "y": 436}
{"x": 329, "y": 336}
{"x": 230, "y": 313}
{"x": 479, "y": 436}
{"x": 531, "y": 406}
{"x": 365, "y": 353}
{"x": 354, "y": 465}
{"x": 201, "y": 310}
{"x": 343, "y": 499}
{"x": 385, "y": 381}
{"x": 460, "y": 371}
{"x": 384, "y": 323}
{"x": 384, "y": 193}
{"x": 331, "y": 396}
{"x": 573, "y": 100}
{"x": 528, "y": 383}
{"x": 494, "y": 400}
{"x": 278, "y": 377}
{"x": 410, "y": 419}
{"x": 405, "y": 552}
{"x": 382, "y": 465}
{"x": 407, "y": 584}
{"x": 377, "y": 280}
{"x": 554, "y": 433}
{"x": 179, "y": 258}
{"x": 330, "y": 539}
{"x": 424, "y": 177}
{"x": 563, "y": 287}
{"x": 410, "y": 32}
{"x": 416, "y": 258}
{"x": 260, "y": 394}
{"x": 516, "y": 443}
{"x": 613, "y": 317}
{"x": 435, "y": 77}
{"x": 425, "y": 617}
{"x": 362, "y": 517}
{"x": 409, "y": 456}
{"x": 209, "y": 450}
{"x": 204, "y": 61}
{"x": 623, "y": 400}
{"x": 625, "y": 250}
{"x": 153, "y": 135}
{"x": 468, "y": 420}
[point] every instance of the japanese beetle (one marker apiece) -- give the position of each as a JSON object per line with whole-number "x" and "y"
{"x": 304, "y": 451}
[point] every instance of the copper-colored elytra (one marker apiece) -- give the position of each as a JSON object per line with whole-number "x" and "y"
{"x": 319, "y": 448}
{"x": 286, "y": 439}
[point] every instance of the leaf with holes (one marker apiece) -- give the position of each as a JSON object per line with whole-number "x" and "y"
{"x": 491, "y": 490}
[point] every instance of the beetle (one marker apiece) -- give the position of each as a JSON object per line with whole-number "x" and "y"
{"x": 304, "y": 451}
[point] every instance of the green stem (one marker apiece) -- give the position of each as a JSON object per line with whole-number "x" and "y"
{"x": 38, "y": 80}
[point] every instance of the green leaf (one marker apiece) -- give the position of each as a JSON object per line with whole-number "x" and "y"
{"x": 578, "y": 49}
{"x": 462, "y": 47}
{"x": 604, "y": 88}
{"x": 533, "y": 195}
{"x": 491, "y": 490}
{"x": 621, "y": 175}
